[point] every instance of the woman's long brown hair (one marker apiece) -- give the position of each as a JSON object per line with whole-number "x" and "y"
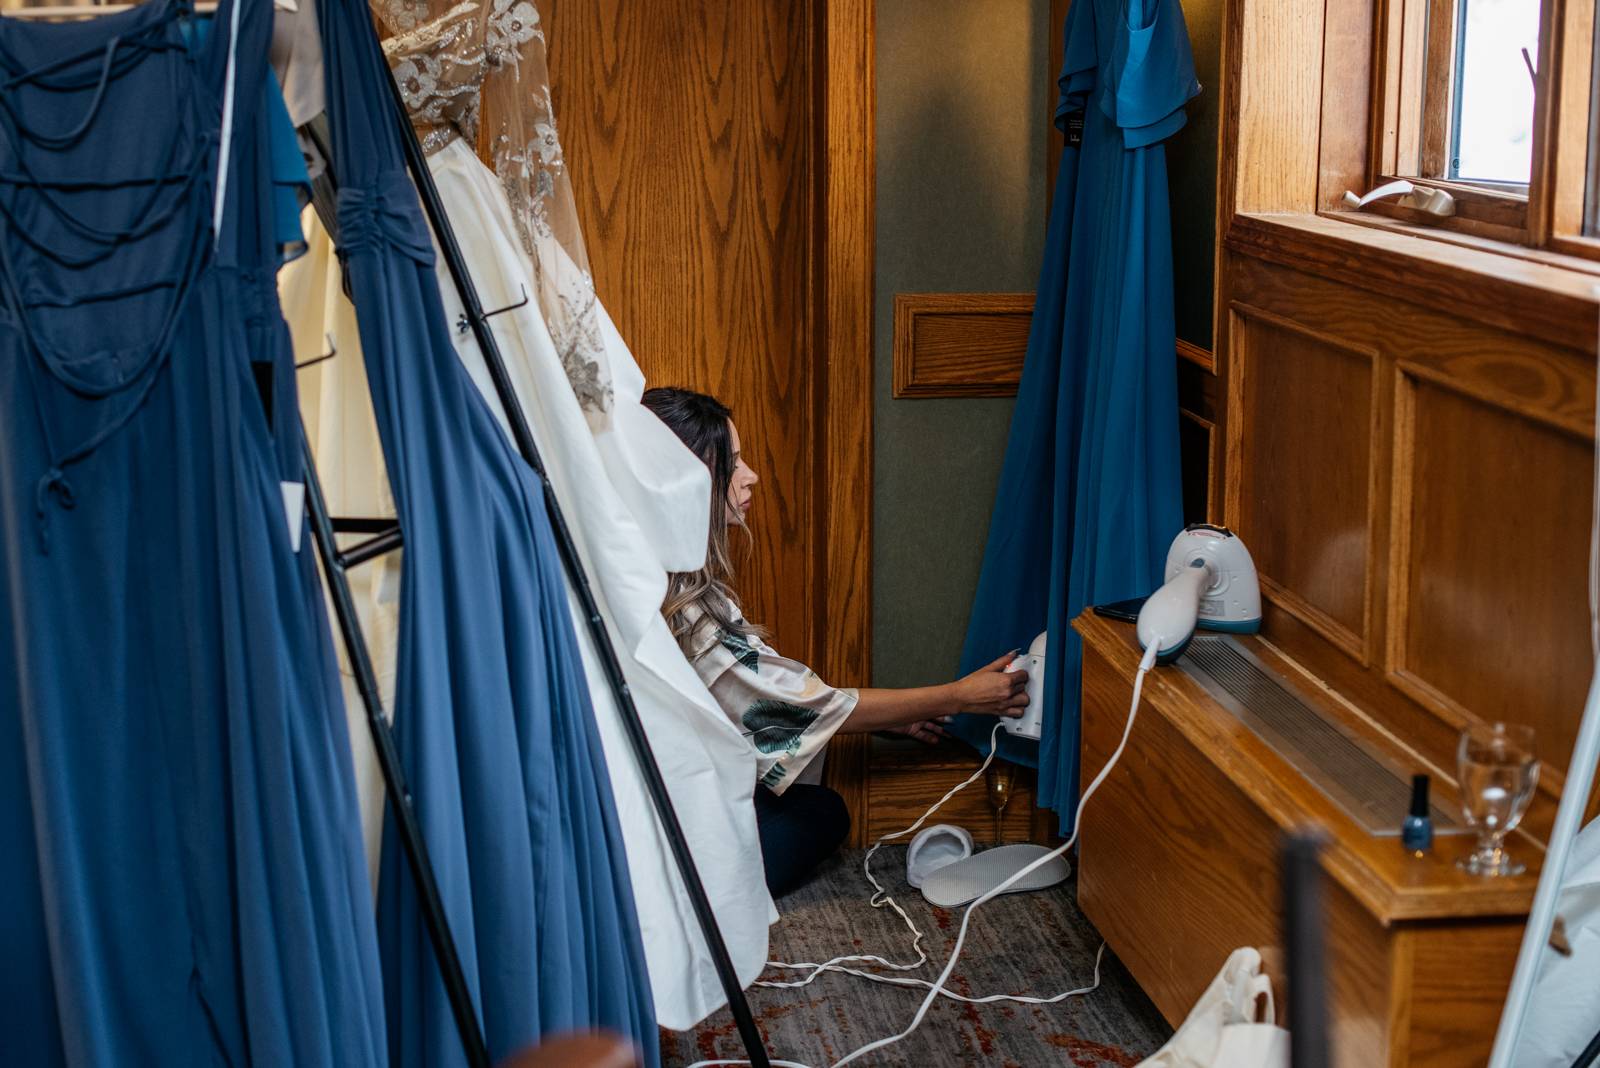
{"x": 701, "y": 422}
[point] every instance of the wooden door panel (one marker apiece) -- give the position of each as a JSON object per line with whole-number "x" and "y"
{"x": 689, "y": 127}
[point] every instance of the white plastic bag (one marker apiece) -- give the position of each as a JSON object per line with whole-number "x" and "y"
{"x": 1231, "y": 1025}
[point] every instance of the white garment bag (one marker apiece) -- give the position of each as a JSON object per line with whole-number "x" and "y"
{"x": 599, "y": 479}
{"x": 1231, "y": 1025}
{"x": 638, "y": 502}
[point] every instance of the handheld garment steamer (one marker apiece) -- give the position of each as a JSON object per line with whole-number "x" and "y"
{"x": 1211, "y": 583}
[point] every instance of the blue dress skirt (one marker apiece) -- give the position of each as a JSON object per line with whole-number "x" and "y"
{"x": 1090, "y": 494}
{"x": 492, "y": 713}
{"x": 183, "y": 879}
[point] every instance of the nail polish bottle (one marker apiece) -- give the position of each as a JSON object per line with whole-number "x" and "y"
{"x": 1416, "y": 833}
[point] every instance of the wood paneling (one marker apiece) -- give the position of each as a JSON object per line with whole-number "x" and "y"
{"x": 1300, "y": 491}
{"x": 1473, "y": 571}
{"x": 1459, "y": 976}
{"x": 721, "y": 155}
{"x": 842, "y": 591}
{"x": 1271, "y": 51}
{"x": 960, "y": 344}
{"x": 1346, "y": 81}
{"x": 907, "y": 777}
{"x": 1527, "y": 293}
{"x": 1147, "y": 871}
{"x": 1478, "y": 435}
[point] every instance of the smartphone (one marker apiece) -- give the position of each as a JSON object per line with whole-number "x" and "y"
{"x": 1127, "y": 611}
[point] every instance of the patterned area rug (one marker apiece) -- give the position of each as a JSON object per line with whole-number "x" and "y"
{"x": 1037, "y": 944}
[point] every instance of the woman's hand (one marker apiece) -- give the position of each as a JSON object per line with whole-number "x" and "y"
{"x": 992, "y": 690}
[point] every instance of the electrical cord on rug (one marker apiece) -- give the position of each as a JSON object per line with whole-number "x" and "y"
{"x": 937, "y": 988}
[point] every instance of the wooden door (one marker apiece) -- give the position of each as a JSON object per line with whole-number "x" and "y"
{"x": 720, "y": 151}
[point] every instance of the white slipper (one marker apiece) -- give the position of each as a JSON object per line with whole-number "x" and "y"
{"x": 934, "y": 848}
{"x": 969, "y": 879}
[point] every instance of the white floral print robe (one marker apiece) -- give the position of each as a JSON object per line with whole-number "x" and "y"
{"x": 780, "y": 705}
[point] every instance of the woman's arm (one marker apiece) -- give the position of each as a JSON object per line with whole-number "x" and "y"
{"x": 990, "y": 690}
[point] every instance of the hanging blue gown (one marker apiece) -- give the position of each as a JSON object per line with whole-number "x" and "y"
{"x": 1089, "y": 493}
{"x": 183, "y": 880}
{"x": 492, "y": 714}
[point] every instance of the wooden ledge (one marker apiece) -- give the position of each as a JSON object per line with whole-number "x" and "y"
{"x": 1545, "y": 295}
{"x": 1389, "y": 883}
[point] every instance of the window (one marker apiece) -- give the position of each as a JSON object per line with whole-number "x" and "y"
{"x": 1491, "y": 102}
{"x": 1491, "y": 108}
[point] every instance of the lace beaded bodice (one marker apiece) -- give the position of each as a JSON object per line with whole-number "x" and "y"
{"x": 442, "y": 55}
{"x": 452, "y": 60}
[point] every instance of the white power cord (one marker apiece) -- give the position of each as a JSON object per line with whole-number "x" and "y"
{"x": 882, "y": 897}
{"x": 937, "y": 988}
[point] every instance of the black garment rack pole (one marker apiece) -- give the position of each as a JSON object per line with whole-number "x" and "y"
{"x": 417, "y": 162}
{"x": 334, "y": 565}
{"x": 1305, "y": 950}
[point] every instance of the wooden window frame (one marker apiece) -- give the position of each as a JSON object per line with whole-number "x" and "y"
{"x": 1411, "y": 95}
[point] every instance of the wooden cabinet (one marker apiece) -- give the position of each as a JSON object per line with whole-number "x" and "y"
{"x": 1178, "y": 866}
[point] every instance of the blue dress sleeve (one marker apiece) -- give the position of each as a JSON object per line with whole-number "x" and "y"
{"x": 1150, "y": 72}
{"x": 1079, "y": 61}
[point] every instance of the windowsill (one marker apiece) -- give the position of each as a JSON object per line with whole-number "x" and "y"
{"x": 1526, "y": 291}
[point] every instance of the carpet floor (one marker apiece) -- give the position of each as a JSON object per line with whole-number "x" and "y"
{"x": 1037, "y": 944}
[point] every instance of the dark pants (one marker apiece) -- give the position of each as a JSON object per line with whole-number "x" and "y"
{"x": 800, "y": 828}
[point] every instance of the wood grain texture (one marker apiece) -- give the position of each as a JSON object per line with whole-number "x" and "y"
{"x": 1521, "y": 295}
{"x": 1271, "y": 110}
{"x": 1438, "y": 88}
{"x": 1560, "y": 169}
{"x": 1301, "y": 493}
{"x": 1472, "y": 427}
{"x": 903, "y": 789}
{"x": 1458, "y": 504}
{"x": 1388, "y": 883}
{"x": 1459, "y": 978}
{"x": 1347, "y": 73}
{"x": 1493, "y": 214}
{"x": 1411, "y": 47}
{"x": 722, "y": 159}
{"x": 1053, "y": 138}
{"x": 721, "y": 155}
{"x": 844, "y": 229}
{"x": 1177, "y": 868}
{"x": 960, "y": 344}
{"x": 690, "y": 130}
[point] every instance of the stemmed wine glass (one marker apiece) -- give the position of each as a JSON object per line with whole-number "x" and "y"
{"x": 1498, "y": 771}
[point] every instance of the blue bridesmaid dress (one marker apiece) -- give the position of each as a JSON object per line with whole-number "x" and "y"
{"x": 1089, "y": 493}
{"x": 492, "y": 715}
{"x": 183, "y": 878}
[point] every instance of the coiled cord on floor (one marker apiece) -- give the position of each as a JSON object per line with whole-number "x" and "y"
{"x": 937, "y": 988}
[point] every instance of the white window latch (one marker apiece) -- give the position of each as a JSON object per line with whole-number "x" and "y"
{"x": 1427, "y": 200}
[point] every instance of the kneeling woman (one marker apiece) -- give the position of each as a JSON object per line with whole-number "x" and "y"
{"x": 781, "y": 706}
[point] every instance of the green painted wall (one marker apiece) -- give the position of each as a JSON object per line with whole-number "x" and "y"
{"x": 962, "y": 90}
{"x": 965, "y": 96}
